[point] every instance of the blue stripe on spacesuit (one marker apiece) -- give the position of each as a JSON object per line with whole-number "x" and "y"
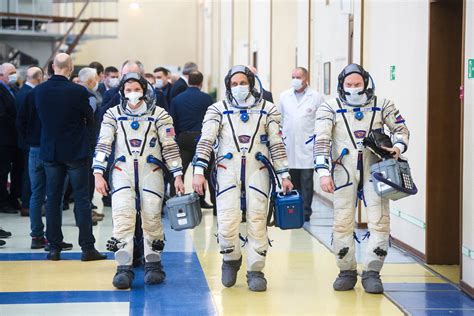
{"x": 259, "y": 191}
{"x": 119, "y": 189}
{"x": 225, "y": 190}
{"x": 153, "y": 192}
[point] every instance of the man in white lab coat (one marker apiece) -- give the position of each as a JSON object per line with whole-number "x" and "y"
{"x": 298, "y": 107}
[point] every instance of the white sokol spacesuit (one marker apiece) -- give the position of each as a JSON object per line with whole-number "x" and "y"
{"x": 340, "y": 130}
{"x": 143, "y": 140}
{"x": 243, "y": 182}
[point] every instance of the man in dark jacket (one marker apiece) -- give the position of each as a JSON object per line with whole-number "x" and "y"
{"x": 65, "y": 114}
{"x": 34, "y": 76}
{"x": 8, "y": 139}
{"x": 182, "y": 84}
{"x": 188, "y": 110}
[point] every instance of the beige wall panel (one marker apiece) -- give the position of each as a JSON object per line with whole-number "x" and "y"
{"x": 161, "y": 32}
{"x": 283, "y": 50}
{"x": 468, "y": 159}
{"x": 387, "y": 42}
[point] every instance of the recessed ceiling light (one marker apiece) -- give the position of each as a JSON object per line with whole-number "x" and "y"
{"x": 134, "y": 5}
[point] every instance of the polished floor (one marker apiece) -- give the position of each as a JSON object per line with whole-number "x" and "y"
{"x": 300, "y": 271}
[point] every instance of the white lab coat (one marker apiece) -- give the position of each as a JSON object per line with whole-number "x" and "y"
{"x": 298, "y": 120}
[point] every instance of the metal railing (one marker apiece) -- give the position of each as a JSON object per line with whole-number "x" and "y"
{"x": 55, "y": 17}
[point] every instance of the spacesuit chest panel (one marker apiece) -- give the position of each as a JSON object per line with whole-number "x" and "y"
{"x": 353, "y": 124}
{"x": 243, "y": 130}
{"x": 137, "y": 134}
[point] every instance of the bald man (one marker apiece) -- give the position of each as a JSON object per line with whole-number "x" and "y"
{"x": 66, "y": 118}
{"x": 34, "y": 76}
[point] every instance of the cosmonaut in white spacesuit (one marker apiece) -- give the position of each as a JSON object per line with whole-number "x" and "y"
{"x": 341, "y": 126}
{"x": 144, "y": 148}
{"x": 247, "y": 131}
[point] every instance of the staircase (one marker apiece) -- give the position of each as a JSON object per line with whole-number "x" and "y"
{"x": 39, "y": 29}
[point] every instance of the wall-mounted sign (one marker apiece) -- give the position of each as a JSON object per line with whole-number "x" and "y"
{"x": 470, "y": 68}
{"x": 392, "y": 72}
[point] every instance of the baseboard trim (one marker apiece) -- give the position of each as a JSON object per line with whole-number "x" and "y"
{"x": 400, "y": 244}
{"x": 469, "y": 290}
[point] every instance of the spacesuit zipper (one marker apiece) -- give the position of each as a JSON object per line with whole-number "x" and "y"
{"x": 243, "y": 202}
{"x": 137, "y": 188}
{"x": 360, "y": 167}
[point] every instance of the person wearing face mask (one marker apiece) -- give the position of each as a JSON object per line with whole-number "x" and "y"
{"x": 298, "y": 106}
{"x": 341, "y": 126}
{"x": 11, "y": 161}
{"x": 144, "y": 147}
{"x": 111, "y": 80}
{"x": 111, "y": 98}
{"x": 160, "y": 100}
{"x": 66, "y": 118}
{"x": 89, "y": 79}
{"x": 162, "y": 85}
{"x": 244, "y": 128}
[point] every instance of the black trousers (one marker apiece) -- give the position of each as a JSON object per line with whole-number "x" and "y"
{"x": 7, "y": 155}
{"x": 303, "y": 181}
{"x": 187, "y": 142}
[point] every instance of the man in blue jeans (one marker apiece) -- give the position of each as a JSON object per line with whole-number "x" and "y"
{"x": 29, "y": 127}
{"x": 66, "y": 118}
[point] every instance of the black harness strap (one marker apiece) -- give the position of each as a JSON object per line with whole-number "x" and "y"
{"x": 232, "y": 127}
{"x": 258, "y": 126}
{"x": 347, "y": 124}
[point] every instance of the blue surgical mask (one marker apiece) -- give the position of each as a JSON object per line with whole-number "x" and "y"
{"x": 240, "y": 93}
{"x": 159, "y": 83}
{"x": 12, "y": 79}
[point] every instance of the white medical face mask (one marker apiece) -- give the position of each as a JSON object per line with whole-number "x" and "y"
{"x": 134, "y": 97}
{"x": 240, "y": 93}
{"x": 12, "y": 78}
{"x": 96, "y": 86}
{"x": 297, "y": 83}
{"x": 114, "y": 82}
{"x": 159, "y": 83}
{"x": 353, "y": 97}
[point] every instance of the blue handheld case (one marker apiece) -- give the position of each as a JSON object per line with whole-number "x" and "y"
{"x": 289, "y": 212}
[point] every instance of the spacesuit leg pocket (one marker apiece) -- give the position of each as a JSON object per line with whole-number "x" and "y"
{"x": 124, "y": 217}
{"x": 343, "y": 225}
{"x": 228, "y": 215}
{"x": 378, "y": 217}
{"x": 152, "y": 200}
{"x": 257, "y": 211}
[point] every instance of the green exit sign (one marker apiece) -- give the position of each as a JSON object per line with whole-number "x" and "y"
{"x": 470, "y": 68}
{"x": 392, "y": 72}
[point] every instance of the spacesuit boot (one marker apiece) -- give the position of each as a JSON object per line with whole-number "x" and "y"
{"x": 256, "y": 281}
{"x": 123, "y": 278}
{"x": 371, "y": 282}
{"x": 154, "y": 273}
{"x": 345, "y": 281}
{"x": 229, "y": 271}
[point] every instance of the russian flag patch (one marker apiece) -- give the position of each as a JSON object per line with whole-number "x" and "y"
{"x": 399, "y": 119}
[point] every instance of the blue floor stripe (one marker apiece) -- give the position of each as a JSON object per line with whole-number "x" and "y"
{"x": 65, "y": 255}
{"x": 64, "y": 297}
{"x": 443, "y": 312}
{"x": 184, "y": 291}
{"x": 418, "y": 287}
{"x": 434, "y": 298}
